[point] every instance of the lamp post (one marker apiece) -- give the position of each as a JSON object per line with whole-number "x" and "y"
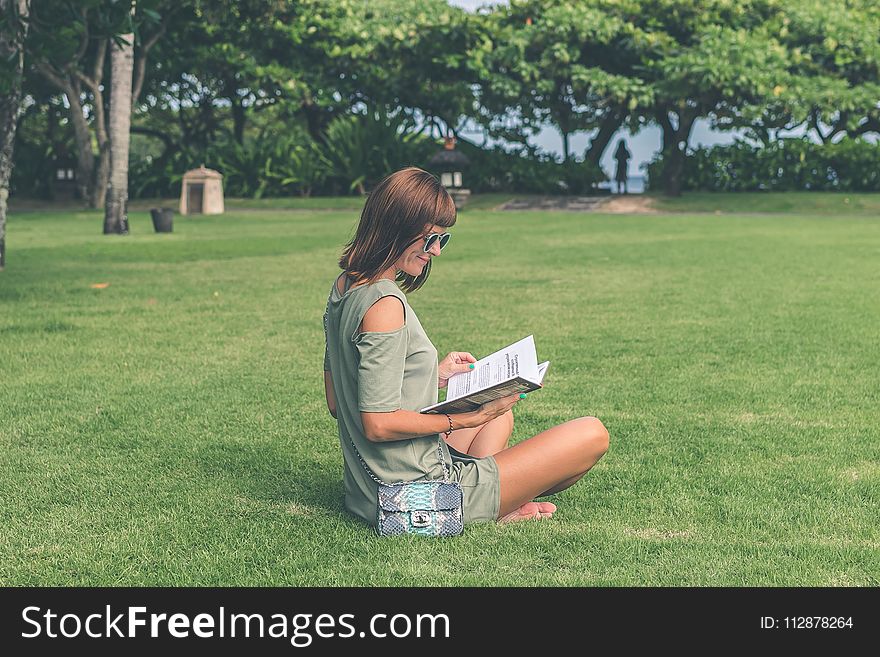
{"x": 450, "y": 163}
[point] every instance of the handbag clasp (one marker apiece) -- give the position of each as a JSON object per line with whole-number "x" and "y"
{"x": 421, "y": 519}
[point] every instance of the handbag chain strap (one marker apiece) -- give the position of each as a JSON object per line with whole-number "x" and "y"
{"x": 382, "y": 483}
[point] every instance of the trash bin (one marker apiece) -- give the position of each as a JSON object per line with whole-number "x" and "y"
{"x": 162, "y": 219}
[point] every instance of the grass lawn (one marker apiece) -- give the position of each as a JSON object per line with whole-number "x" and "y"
{"x": 831, "y": 204}
{"x": 828, "y": 204}
{"x": 170, "y": 428}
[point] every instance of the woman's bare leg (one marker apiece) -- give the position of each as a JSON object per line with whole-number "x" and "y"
{"x": 493, "y": 436}
{"x": 486, "y": 439}
{"x": 461, "y": 439}
{"x": 548, "y": 463}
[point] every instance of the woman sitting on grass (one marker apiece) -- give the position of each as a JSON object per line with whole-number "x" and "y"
{"x": 380, "y": 368}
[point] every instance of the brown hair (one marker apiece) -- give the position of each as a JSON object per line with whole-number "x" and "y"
{"x": 394, "y": 216}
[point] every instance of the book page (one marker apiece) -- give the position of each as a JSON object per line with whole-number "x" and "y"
{"x": 542, "y": 370}
{"x": 518, "y": 359}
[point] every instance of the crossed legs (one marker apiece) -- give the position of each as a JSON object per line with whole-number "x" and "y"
{"x": 544, "y": 464}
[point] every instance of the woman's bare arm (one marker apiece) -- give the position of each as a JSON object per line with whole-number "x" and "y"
{"x": 403, "y": 425}
{"x": 387, "y": 315}
{"x": 330, "y": 393}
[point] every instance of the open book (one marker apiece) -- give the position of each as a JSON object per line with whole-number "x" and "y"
{"x": 507, "y": 371}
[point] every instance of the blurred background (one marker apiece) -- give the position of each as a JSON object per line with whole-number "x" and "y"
{"x": 325, "y": 97}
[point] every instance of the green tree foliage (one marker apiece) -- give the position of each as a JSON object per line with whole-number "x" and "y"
{"x": 316, "y": 65}
{"x": 322, "y": 96}
{"x": 421, "y": 61}
{"x": 714, "y": 58}
{"x": 770, "y": 67}
{"x": 68, "y": 47}
{"x": 832, "y": 84}
{"x": 572, "y": 64}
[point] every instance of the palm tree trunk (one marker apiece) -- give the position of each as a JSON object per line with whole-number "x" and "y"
{"x": 11, "y": 50}
{"x": 121, "y": 72}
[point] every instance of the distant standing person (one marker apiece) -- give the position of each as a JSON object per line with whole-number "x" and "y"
{"x": 622, "y": 156}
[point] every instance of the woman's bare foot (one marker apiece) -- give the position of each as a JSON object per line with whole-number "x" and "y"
{"x": 530, "y": 511}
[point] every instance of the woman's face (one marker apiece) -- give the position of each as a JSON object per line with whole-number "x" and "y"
{"x": 414, "y": 259}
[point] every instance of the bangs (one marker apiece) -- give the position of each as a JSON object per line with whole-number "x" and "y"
{"x": 445, "y": 213}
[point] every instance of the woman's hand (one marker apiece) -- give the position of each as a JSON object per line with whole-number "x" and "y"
{"x": 491, "y": 410}
{"x": 486, "y": 412}
{"x": 455, "y": 362}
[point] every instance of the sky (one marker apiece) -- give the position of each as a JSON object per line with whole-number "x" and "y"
{"x": 643, "y": 146}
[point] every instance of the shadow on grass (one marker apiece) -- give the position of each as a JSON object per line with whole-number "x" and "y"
{"x": 275, "y": 478}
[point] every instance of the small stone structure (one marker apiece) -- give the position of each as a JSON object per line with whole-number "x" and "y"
{"x": 450, "y": 163}
{"x": 202, "y": 192}
{"x": 62, "y": 187}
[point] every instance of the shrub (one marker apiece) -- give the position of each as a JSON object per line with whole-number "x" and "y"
{"x": 526, "y": 170}
{"x": 364, "y": 148}
{"x": 787, "y": 165}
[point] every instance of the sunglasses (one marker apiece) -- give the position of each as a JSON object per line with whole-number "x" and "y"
{"x": 434, "y": 237}
{"x": 430, "y": 239}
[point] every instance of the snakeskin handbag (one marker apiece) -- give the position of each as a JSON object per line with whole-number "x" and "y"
{"x": 431, "y": 507}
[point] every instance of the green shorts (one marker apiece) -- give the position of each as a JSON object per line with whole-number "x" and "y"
{"x": 480, "y": 483}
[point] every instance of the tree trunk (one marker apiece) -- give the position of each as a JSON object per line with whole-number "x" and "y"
{"x": 82, "y": 136}
{"x": 11, "y": 50}
{"x": 91, "y": 183}
{"x": 609, "y": 125}
{"x": 121, "y": 70}
{"x": 563, "y": 124}
{"x": 140, "y": 60}
{"x": 169, "y": 144}
{"x": 102, "y": 173}
{"x": 85, "y": 157}
{"x": 315, "y": 120}
{"x": 674, "y": 151}
{"x": 238, "y": 121}
{"x": 674, "y": 165}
